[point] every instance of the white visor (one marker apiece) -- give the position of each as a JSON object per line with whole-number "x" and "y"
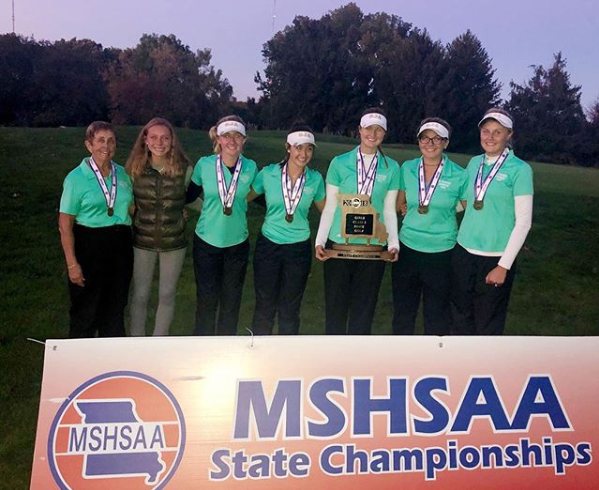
{"x": 373, "y": 118}
{"x": 230, "y": 126}
{"x": 436, "y": 127}
{"x": 500, "y": 118}
{"x": 300, "y": 137}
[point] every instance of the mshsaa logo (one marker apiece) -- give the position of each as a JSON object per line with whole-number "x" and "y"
{"x": 119, "y": 430}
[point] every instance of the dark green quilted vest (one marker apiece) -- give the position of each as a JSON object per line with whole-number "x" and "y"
{"x": 158, "y": 222}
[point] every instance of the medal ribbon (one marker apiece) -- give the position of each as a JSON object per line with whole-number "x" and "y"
{"x": 425, "y": 195}
{"x": 480, "y": 187}
{"x": 110, "y": 197}
{"x": 292, "y": 197}
{"x": 366, "y": 179}
{"x": 227, "y": 195}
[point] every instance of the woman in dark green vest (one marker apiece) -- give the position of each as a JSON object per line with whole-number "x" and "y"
{"x": 160, "y": 173}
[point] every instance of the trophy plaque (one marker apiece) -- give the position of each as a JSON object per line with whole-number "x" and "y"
{"x": 359, "y": 220}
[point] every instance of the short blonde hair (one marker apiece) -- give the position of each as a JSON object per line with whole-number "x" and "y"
{"x": 96, "y": 126}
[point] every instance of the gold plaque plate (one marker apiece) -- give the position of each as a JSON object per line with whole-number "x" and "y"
{"x": 358, "y": 252}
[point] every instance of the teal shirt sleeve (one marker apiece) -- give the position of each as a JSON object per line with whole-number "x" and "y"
{"x": 320, "y": 193}
{"x": 256, "y": 171}
{"x": 402, "y": 183}
{"x": 464, "y": 186}
{"x": 333, "y": 177}
{"x": 258, "y": 183}
{"x": 523, "y": 183}
{"x": 196, "y": 176}
{"x": 70, "y": 201}
{"x": 395, "y": 183}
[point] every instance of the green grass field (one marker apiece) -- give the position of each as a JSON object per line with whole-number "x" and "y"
{"x": 556, "y": 291}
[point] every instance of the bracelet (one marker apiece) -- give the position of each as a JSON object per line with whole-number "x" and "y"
{"x": 71, "y": 266}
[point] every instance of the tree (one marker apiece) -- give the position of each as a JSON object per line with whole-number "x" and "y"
{"x": 315, "y": 72}
{"x": 591, "y": 136}
{"x": 69, "y": 82}
{"x": 45, "y": 84}
{"x": 593, "y": 113}
{"x": 467, "y": 90}
{"x": 17, "y": 63}
{"x": 327, "y": 71}
{"x": 407, "y": 67}
{"x": 549, "y": 120}
{"x": 162, "y": 77}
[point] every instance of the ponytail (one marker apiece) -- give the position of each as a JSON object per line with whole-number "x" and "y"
{"x": 380, "y": 149}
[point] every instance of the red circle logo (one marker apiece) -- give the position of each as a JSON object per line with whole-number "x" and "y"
{"x": 120, "y": 430}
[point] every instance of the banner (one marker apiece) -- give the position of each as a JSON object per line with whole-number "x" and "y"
{"x": 318, "y": 412}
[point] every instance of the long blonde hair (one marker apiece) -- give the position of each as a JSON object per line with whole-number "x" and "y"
{"x": 214, "y": 137}
{"x": 177, "y": 161}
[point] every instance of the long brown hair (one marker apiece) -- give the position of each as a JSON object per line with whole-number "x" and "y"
{"x": 177, "y": 161}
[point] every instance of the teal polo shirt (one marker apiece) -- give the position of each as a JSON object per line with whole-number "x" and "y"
{"x": 83, "y": 198}
{"x": 343, "y": 174}
{"x": 214, "y": 227}
{"x": 489, "y": 229}
{"x": 437, "y": 230}
{"x": 275, "y": 227}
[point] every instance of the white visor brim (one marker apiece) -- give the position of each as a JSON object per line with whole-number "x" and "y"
{"x": 436, "y": 127}
{"x": 373, "y": 118}
{"x": 502, "y": 119}
{"x": 300, "y": 137}
{"x": 230, "y": 126}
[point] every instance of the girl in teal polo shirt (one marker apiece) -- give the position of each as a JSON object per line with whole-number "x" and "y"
{"x": 431, "y": 187}
{"x": 352, "y": 286}
{"x": 283, "y": 253}
{"x": 498, "y": 217}
{"x": 221, "y": 246}
{"x": 95, "y": 233}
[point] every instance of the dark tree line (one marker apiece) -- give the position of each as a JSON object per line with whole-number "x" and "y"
{"x": 327, "y": 70}
{"x": 44, "y": 84}
{"x": 551, "y": 123}
{"x": 77, "y": 81}
{"x": 334, "y": 67}
{"x": 324, "y": 71}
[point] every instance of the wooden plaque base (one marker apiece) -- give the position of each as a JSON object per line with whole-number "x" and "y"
{"x": 358, "y": 252}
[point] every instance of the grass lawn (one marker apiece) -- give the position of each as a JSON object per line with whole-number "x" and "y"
{"x": 556, "y": 290}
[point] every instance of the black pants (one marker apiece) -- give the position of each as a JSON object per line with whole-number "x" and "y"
{"x": 106, "y": 259}
{"x": 478, "y": 308}
{"x": 219, "y": 274}
{"x": 351, "y": 292}
{"x": 418, "y": 274}
{"x": 280, "y": 277}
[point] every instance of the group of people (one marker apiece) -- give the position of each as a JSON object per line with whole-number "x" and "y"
{"x": 116, "y": 223}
